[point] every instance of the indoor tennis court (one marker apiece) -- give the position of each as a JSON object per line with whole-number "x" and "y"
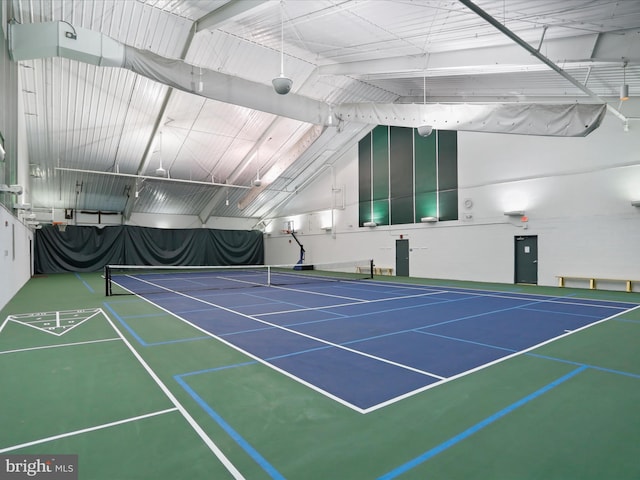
{"x": 320, "y": 239}
{"x": 328, "y": 332}
{"x": 134, "y": 380}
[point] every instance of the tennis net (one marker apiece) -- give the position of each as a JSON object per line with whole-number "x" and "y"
{"x": 145, "y": 280}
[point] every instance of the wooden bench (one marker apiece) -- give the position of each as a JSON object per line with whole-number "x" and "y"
{"x": 593, "y": 281}
{"x": 382, "y": 271}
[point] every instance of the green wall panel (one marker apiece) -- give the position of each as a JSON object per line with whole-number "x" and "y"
{"x": 401, "y": 181}
{"x": 447, "y": 159}
{"x": 404, "y": 177}
{"x": 365, "y": 214}
{"x": 426, "y": 179}
{"x": 380, "y": 155}
{"x": 381, "y": 212}
{"x": 426, "y": 205}
{"x": 448, "y": 202}
{"x": 364, "y": 179}
{"x": 448, "y": 174}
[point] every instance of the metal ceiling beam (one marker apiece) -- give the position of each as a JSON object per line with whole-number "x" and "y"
{"x": 354, "y": 133}
{"x": 218, "y": 197}
{"x": 210, "y": 20}
{"x": 573, "y": 52}
{"x": 226, "y": 12}
{"x": 462, "y": 62}
{"x": 149, "y": 177}
{"x": 148, "y": 150}
{"x": 536, "y": 53}
{"x": 284, "y": 162}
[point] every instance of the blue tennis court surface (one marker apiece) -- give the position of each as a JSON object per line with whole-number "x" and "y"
{"x": 368, "y": 344}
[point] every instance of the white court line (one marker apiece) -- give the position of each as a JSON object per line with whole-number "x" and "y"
{"x": 361, "y": 302}
{"x": 496, "y": 361}
{"x": 475, "y": 293}
{"x": 295, "y": 332}
{"x": 29, "y": 349}
{"x": 322, "y": 294}
{"x": 201, "y": 433}
{"x": 6, "y": 320}
{"x": 458, "y": 291}
{"x": 15, "y": 318}
{"x": 501, "y": 294}
{"x": 85, "y": 430}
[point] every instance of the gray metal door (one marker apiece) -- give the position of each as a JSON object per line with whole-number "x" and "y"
{"x": 526, "y": 264}
{"x": 402, "y": 258}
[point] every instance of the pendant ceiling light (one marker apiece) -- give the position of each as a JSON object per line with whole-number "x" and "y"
{"x": 160, "y": 172}
{"x": 624, "y": 88}
{"x": 257, "y": 182}
{"x": 424, "y": 130}
{"x": 282, "y": 84}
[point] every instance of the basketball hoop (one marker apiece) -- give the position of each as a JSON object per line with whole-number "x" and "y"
{"x": 62, "y": 226}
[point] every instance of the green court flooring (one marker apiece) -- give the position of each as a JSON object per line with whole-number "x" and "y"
{"x": 129, "y": 405}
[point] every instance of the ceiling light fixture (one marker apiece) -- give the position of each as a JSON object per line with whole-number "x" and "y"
{"x": 160, "y": 172}
{"x": 257, "y": 182}
{"x": 282, "y": 84}
{"x": 624, "y": 88}
{"x": 425, "y": 130}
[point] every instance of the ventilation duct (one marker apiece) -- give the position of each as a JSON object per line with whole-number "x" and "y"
{"x": 42, "y": 40}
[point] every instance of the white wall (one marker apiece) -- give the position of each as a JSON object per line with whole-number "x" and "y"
{"x": 15, "y": 255}
{"x": 576, "y": 193}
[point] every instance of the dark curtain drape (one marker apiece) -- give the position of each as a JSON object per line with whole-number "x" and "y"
{"x": 89, "y": 249}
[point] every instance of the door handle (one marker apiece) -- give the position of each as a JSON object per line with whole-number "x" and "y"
{"x": 535, "y": 261}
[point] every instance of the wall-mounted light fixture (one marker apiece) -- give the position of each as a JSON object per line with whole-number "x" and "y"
{"x": 514, "y": 213}
{"x": 429, "y": 219}
{"x": 370, "y": 224}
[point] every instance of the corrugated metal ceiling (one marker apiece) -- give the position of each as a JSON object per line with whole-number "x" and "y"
{"x": 103, "y": 119}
